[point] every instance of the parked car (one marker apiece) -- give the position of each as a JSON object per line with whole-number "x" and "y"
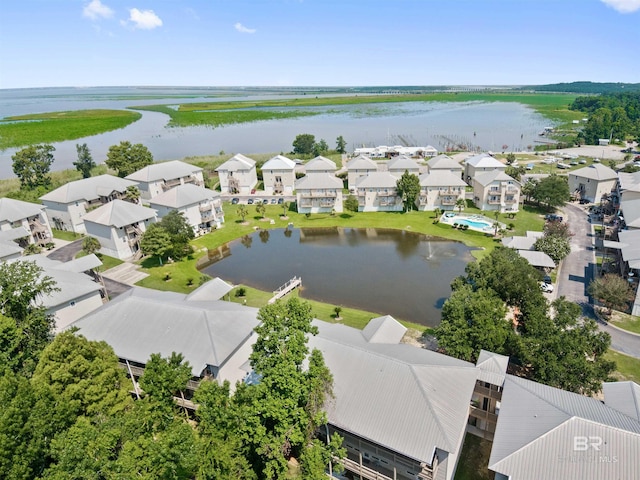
{"x": 234, "y": 201}
{"x": 250, "y": 201}
{"x": 583, "y": 161}
{"x": 546, "y": 287}
{"x": 529, "y": 166}
{"x": 552, "y": 217}
{"x": 265, "y": 201}
{"x": 273, "y": 201}
{"x": 584, "y": 201}
{"x": 280, "y": 201}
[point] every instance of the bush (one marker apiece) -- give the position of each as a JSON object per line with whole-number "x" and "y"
{"x": 189, "y": 281}
{"x": 241, "y": 292}
{"x": 167, "y": 277}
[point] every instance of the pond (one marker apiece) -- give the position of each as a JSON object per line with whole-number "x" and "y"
{"x": 403, "y": 274}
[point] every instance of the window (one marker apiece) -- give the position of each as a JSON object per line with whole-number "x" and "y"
{"x": 72, "y": 303}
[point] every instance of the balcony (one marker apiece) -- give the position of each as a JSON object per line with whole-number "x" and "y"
{"x": 169, "y": 184}
{"x": 488, "y": 392}
{"x": 205, "y": 208}
{"x": 315, "y": 194}
{"x": 444, "y": 200}
{"x": 449, "y": 191}
{"x": 482, "y": 414}
{"x": 278, "y": 187}
{"x": 510, "y": 200}
{"x": 494, "y": 200}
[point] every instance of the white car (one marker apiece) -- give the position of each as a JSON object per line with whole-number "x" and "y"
{"x": 546, "y": 287}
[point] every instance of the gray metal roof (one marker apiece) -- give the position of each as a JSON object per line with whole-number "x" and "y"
{"x": 183, "y": 196}
{"x": 236, "y": 163}
{"x": 493, "y": 367}
{"x": 485, "y": 178}
{"x": 404, "y": 398}
{"x": 320, "y": 163}
{"x": 13, "y": 210}
{"x": 377, "y": 180}
{"x": 484, "y": 161}
{"x": 402, "y": 162}
{"x": 385, "y": 329}
{"x": 597, "y": 171}
{"x": 310, "y": 182}
{"x": 90, "y": 188}
{"x": 441, "y": 178}
{"x": 623, "y": 397}
{"x": 14, "y": 234}
{"x": 629, "y": 246}
{"x": 536, "y": 436}
{"x": 279, "y": 162}
{"x": 519, "y": 243}
{"x": 8, "y": 249}
{"x": 119, "y": 213}
{"x": 362, "y": 162}
{"x": 142, "y": 321}
{"x": 537, "y": 259}
{"x": 631, "y": 211}
{"x": 82, "y": 264}
{"x": 164, "y": 171}
{"x": 629, "y": 181}
{"x": 214, "y": 289}
{"x": 443, "y": 162}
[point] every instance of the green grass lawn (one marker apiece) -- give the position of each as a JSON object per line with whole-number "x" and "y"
{"x": 59, "y": 126}
{"x": 107, "y": 261}
{"x": 628, "y": 368}
{"x": 65, "y": 235}
{"x": 625, "y": 321}
{"x": 474, "y": 459}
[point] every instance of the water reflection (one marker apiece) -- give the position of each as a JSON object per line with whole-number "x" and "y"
{"x": 394, "y": 272}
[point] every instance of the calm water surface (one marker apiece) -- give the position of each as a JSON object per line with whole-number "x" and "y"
{"x": 403, "y": 274}
{"x": 485, "y": 126}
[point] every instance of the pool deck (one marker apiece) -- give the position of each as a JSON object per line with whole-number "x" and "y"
{"x": 450, "y": 218}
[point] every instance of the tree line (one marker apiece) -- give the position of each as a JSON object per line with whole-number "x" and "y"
{"x": 67, "y": 408}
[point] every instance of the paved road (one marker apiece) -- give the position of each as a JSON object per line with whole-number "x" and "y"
{"x": 577, "y": 271}
{"x": 67, "y": 252}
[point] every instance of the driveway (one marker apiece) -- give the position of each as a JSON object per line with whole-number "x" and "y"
{"x": 67, "y": 252}
{"x": 576, "y": 272}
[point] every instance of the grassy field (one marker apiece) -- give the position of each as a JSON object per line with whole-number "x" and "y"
{"x": 474, "y": 459}
{"x": 58, "y": 126}
{"x": 627, "y": 368}
{"x": 64, "y": 235}
{"x": 552, "y": 106}
{"x": 625, "y": 321}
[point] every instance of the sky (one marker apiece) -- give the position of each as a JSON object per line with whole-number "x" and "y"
{"x": 55, "y": 43}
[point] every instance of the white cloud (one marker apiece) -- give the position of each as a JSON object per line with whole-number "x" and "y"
{"x": 242, "y": 29}
{"x": 95, "y": 10}
{"x": 144, "y": 19}
{"x": 623, "y": 6}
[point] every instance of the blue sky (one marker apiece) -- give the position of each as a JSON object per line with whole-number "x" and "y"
{"x": 45, "y": 43}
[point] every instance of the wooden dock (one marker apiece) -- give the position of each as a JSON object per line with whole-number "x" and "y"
{"x": 295, "y": 282}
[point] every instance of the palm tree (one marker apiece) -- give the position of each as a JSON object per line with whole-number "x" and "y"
{"x": 242, "y": 212}
{"x": 437, "y": 212}
{"x": 132, "y": 194}
{"x": 461, "y": 203}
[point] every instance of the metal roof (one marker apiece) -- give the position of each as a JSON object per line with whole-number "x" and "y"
{"x": 597, "y": 171}
{"x": 183, "y": 196}
{"x": 519, "y": 243}
{"x": 631, "y": 211}
{"x": 402, "y": 162}
{"x": 484, "y": 161}
{"x": 407, "y": 399}
{"x": 310, "y": 182}
{"x": 13, "y": 210}
{"x": 377, "y": 180}
{"x": 493, "y": 367}
{"x": 320, "y": 163}
{"x": 537, "y": 430}
{"x": 362, "y": 162}
{"x": 441, "y": 178}
{"x": 237, "y": 162}
{"x": 140, "y": 322}
{"x": 385, "y": 329}
{"x": 443, "y": 162}
{"x": 119, "y": 213}
{"x": 164, "y": 171}
{"x": 90, "y": 188}
{"x": 623, "y": 397}
{"x": 629, "y": 181}
{"x": 81, "y": 264}
{"x": 279, "y": 162}
{"x": 485, "y": 178}
{"x": 214, "y": 289}
{"x": 537, "y": 259}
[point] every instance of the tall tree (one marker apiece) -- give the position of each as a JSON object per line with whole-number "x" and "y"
{"x": 90, "y": 245}
{"x": 156, "y": 242}
{"x": 556, "y": 246}
{"x": 303, "y": 144}
{"x": 320, "y": 147}
{"x": 126, "y": 158}
{"x": 341, "y": 145}
{"x": 612, "y": 291}
{"x": 181, "y": 233}
{"x": 85, "y": 162}
{"x": 165, "y": 377}
{"x": 32, "y": 164}
{"x": 408, "y": 188}
{"x": 132, "y": 194}
{"x": 552, "y": 191}
{"x": 242, "y": 212}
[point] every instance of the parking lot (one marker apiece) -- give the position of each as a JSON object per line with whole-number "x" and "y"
{"x": 257, "y": 198}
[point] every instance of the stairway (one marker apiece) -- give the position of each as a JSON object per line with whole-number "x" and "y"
{"x": 125, "y": 273}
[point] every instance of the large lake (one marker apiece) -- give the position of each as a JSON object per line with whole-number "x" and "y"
{"x": 478, "y": 125}
{"x": 403, "y": 274}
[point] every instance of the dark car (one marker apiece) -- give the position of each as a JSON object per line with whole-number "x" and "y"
{"x": 280, "y": 201}
{"x": 584, "y": 201}
{"x": 265, "y": 201}
{"x": 234, "y": 201}
{"x": 552, "y": 217}
{"x": 250, "y": 201}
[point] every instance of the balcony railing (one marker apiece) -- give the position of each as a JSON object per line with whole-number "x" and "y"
{"x": 494, "y": 200}
{"x": 314, "y": 194}
{"x": 482, "y": 414}
{"x": 205, "y": 208}
{"x": 448, "y": 200}
{"x": 510, "y": 200}
{"x": 488, "y": 392}
{"x": 169, "y": 184}
{"x": 449, "y": 191}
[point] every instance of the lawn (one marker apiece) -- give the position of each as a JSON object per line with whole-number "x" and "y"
{"x": 627, "y": 367}
{"x": 625, "y": 321}
{"x": 107, "y": 261}
{"x": 474, "y": 459}
{"x": 59, "y": 126}
{"x": 65, "y": 235}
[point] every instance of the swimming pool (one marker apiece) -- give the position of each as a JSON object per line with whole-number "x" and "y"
{"x": 473, "y": 223}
